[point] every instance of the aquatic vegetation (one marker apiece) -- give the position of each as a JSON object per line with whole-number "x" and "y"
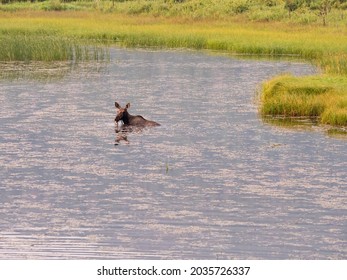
{"x": 27, "y": 47}
{"x": 19, "y": 41}
{"x": 321, "y": 97}
{"x": 44, "y": 48}
{"x": 333, "y": 63}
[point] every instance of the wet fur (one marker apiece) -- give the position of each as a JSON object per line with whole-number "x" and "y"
{"x": 128, "y": 119}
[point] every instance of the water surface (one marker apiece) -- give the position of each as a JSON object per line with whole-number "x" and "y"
{"x": 212, "y": 182}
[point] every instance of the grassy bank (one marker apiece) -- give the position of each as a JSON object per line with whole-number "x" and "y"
{"x": 27, "y": 32}
{"x": 325, "y": 46}
{"x": 322, "y": 97}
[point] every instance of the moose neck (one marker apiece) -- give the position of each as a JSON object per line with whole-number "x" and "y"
{"x": 127, "y": 117}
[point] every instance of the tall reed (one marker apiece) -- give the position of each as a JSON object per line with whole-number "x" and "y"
{"x": 40, "y": 48}
{"x": 33, "y": 47}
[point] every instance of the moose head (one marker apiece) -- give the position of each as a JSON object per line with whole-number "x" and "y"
{"x": 122, "y": 113}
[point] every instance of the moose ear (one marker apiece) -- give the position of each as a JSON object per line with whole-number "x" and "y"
{"x": 117, "y": 105}
{"x": 127, "y": 106}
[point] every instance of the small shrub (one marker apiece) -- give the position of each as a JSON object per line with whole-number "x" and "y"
{"x": 241, "y": 8}
{"x": 54, "y": 5}
{"x": 271, "y": 3}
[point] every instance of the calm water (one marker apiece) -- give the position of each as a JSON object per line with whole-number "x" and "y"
{"x": 212, "y": 182}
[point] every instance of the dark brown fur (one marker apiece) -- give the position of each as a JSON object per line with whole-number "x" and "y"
{"x": 123, "y": 115}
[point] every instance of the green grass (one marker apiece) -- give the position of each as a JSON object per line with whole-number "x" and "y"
{"x": 45, "y": 47}
{"x": 326, "y": 47}
{"x": 321, "y": 97}
{"x": 37, "y": 48}
{"x": 250, "y": 10}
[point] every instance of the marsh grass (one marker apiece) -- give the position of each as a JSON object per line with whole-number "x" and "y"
{"x": 39, "y": 48}
{"x": 333, "y": 63}
{"x": 36, "y": 46}
{"x": 321, "y": 97}
{"x": 326, "y": 47}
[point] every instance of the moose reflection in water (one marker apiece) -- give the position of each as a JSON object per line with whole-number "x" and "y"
{"x": 130, "y": 123}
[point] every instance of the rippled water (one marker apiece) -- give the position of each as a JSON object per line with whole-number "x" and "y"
{"x": 213, "y": 181}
